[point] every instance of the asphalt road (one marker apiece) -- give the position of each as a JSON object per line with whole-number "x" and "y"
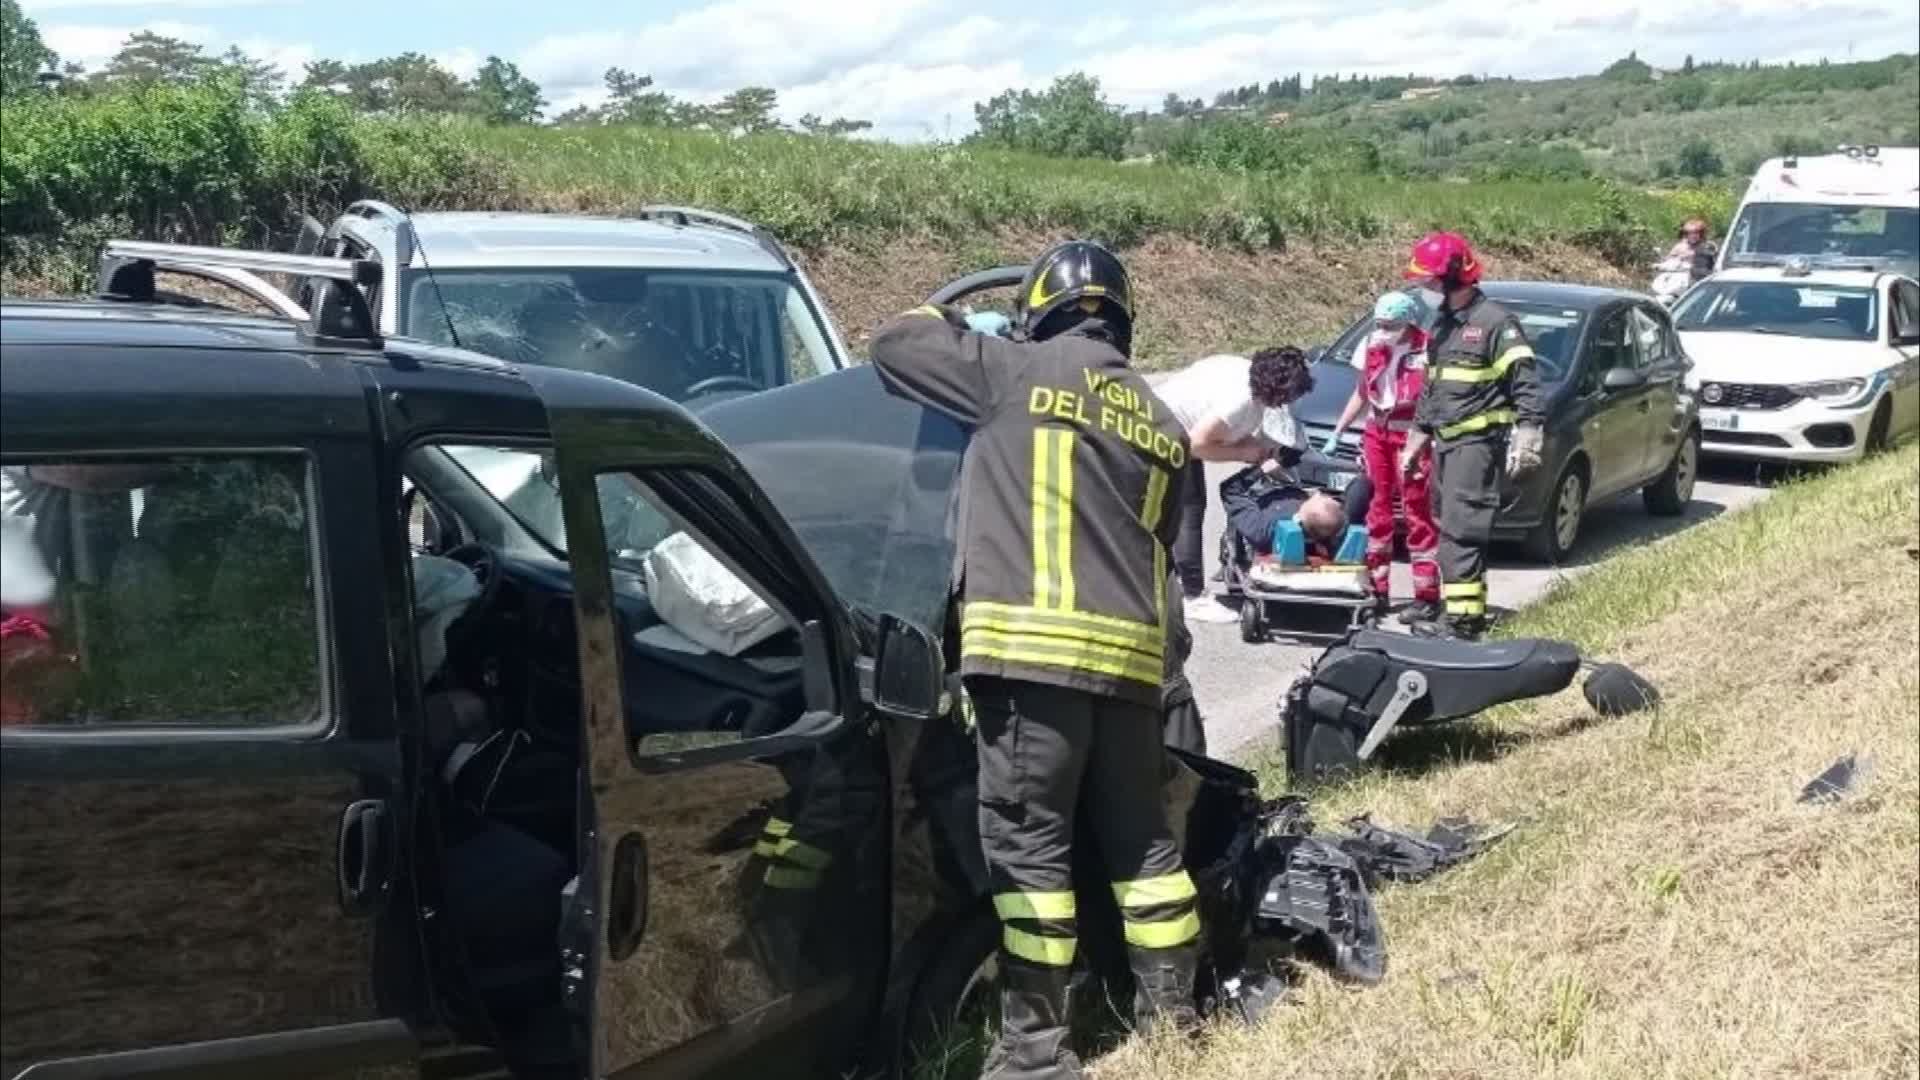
{"x": 1238, "y": 686}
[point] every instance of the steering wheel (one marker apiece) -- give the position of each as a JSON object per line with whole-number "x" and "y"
{"x": 719, "y": 382}
{"x": 480, "y": 560}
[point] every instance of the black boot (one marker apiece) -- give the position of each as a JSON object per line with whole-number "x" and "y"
{"x": 1163, "y": 988}
{"x": 1453, "y": 628}
{"x": 1034, "y": 1018}
{"x": 1420, "y": 611}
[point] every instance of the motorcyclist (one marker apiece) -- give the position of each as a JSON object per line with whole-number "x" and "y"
{"x": 1693, "y": 250}
{"x": 1481, "y": 408}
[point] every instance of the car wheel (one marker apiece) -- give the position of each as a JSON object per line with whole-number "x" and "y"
{"x": 956, "y": 1010}
{"x": 1669, "y": 495}
{"x": 1253, "y": 621}
{"x": 1554, "y": 537}
{"x": 1877, "y": 430}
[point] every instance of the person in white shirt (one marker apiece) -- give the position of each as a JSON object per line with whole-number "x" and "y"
{"x": 1223, "y": 401}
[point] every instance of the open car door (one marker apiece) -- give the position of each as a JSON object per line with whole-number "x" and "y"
{"x": 732, "y": 911}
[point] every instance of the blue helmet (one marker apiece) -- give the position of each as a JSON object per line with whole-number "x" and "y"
{"x": 1400, "y": 307}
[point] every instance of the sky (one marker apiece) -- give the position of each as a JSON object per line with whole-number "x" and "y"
{"x": 914, "y": 68}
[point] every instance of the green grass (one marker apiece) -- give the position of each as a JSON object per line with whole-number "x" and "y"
{"x": 196, "y": 164}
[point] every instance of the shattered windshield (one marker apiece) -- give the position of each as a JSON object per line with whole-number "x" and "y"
{"x": 1832, "y": 312}
{"x": 683, "y": 334}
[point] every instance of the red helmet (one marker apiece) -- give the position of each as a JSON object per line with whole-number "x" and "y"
{"x": 1446, "y": 256}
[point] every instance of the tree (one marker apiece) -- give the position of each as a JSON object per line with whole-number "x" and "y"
{"x": 630, "y": 100}
{"x": 409, "y": 82}
{"x": 813, "y": 125}
{"x": 261, "y": 80}
{"x": 1631, "y": 70}
{"x": 147, "y": 58}
{"x": 750, "y": 109}
{"x": 1686, "y": 66}
{"x": 1686, "y": 95}
{"x": 22, "y": 54}
{"x": 1068, "y": 119}
{"x": 504, "y": 96}
{"x": 1698, "y": 160}
{"x": 1174, "y": 106}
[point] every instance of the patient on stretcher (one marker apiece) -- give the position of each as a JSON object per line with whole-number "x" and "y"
{"x": 1280, "y": 519}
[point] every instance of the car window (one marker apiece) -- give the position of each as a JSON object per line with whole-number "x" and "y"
{"x": 1859, "y": 232}
{"x": 1613, "y": 347}
{"x": 160, "y": 591}
{"x": 1794, "y": 309}
{"x": 1551, "y": 329}
{"x": 1652, "y": 345}
{"x": 684, "y": 334}
{"x": 707, "y": 652}
{"x": 1905, "y": 317}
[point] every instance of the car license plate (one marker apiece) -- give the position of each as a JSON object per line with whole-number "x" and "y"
{"x": 1338, "y": 481}
{"x": 1716, "y": 420}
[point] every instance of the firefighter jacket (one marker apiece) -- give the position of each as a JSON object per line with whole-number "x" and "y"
{"x": 1065, "y": 516}
{"x": 1481, "y": 376}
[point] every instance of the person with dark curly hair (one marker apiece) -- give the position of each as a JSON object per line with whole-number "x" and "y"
{"x": 1232, "y": 408}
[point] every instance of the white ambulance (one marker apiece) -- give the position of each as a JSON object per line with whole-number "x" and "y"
{"x": 1858, "y": 208}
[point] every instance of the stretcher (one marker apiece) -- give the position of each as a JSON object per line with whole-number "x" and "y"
{"x": 1268, "y": 583}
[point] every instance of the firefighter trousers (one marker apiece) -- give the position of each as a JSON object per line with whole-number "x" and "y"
{"x": 1048, "y": 753}
{"x": 1380, "y": 451}
{"x": 1467, "y": 474}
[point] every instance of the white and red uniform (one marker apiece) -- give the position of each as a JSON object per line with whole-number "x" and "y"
{"x": 1391, "y": 377}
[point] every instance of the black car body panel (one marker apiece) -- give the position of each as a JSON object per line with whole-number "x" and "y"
{"x": 1624, "y": 436}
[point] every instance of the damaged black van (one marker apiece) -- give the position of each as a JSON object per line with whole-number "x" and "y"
{"x": 379, "y": 709}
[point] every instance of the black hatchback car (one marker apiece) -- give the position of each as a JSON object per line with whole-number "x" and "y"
{"x": 1620, "y": 415}
{"x": 372, "y": 708}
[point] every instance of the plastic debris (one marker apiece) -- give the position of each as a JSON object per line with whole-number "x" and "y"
{"x": 1837, "y": 781}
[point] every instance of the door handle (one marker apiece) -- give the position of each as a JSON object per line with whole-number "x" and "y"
{"x": 362, "y": 864}
{"x": 627, "y": 897}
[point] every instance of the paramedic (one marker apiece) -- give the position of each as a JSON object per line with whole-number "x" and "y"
{"x": 1390, "y": 379}
{"x": 1222, "y": 402}
{"x": 1481, "y": 408}
{"x": 1064, "y": 521}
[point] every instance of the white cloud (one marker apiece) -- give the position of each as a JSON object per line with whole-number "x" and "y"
{"x": 92, "y": 45}
{"x": 462, "y": 61}
{"x": 32, "y": 7}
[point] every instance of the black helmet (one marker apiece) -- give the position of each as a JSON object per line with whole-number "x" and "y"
{"x": 1071, "y": 272}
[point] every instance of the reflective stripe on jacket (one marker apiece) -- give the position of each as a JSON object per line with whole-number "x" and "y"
{"x": 1066, "y": 512}
{"x": 1481, "y": 374}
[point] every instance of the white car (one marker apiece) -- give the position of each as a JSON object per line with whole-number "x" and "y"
{"x": 1801, "y": 364}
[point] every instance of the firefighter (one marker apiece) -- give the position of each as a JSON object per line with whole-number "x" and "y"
{"x": 1065, "y": 520}
{"x": 1481, "y": 408}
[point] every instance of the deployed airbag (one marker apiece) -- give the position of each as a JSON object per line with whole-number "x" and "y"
{"x": 697, "y": 595}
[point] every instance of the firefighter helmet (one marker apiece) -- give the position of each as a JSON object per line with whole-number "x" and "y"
{"x": 1075, "y": 272}
{"x": 1446, "y": 256}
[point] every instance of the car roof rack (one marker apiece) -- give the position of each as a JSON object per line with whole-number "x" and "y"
{"x": 340, "y": 314}
{"x": 693, "y": 215}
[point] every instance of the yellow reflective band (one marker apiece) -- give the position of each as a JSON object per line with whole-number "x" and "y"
{"x": 1164, "y": 935}
{"x": 1037, "y": 297}
{"x": 927, "y": 309}
{"x": 793, "y": 851}
{"x": 1150, "y": 514}
{"x": 791, "y": 877}
{"x": 1466, "y": 607}
{"x": 1150, "y": 644}
{"x": 1166, "y": 889}
{"x": 1087, "y": 619}
{"x": 1465, "y": 588}
{"x": 1492, "y": 372}
{"x": 777, "y": 827}
{"x": 1512, "y": 356}
{"x": 1095, "y": 659}
{"x": 1034, "y": 905}
{"x": 1063, "y": 517}
{"x": 1042, "y": 516}
{"x": 1053, "y": 952}
{"x": 1490, "y": 418}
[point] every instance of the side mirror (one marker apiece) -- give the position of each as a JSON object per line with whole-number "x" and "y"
{"x": 1621, "y": 378}
{"x": 909, "y": 671}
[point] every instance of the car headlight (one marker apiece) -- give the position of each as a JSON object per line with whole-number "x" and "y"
{"x": 1838, "y": 393}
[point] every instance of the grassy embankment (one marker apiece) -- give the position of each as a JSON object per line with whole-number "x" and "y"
{"x": 1224, "y": 258}
{"x": 1666, "y": 908}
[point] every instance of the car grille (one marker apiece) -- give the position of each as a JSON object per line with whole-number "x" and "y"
{"x": 1746, "y": 396}
{"x": 1745, "y": 438}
